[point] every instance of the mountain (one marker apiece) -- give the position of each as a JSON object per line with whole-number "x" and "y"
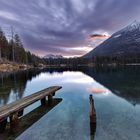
{"x": 125, "y": 42}
{"x": 52, "y": 56}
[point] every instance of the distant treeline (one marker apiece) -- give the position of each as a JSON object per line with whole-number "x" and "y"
{"x": 13, "y": 50}
{"x": 96, "y": 61}
{"x": 126, "y": 59}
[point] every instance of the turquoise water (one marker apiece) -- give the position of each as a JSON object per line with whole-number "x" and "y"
{"x": 118, "y": 112}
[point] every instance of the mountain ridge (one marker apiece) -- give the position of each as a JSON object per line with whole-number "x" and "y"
{"x": 52, "y": 56}
{"x": 125, "y": 42}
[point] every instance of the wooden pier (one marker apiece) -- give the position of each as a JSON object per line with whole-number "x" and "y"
{"x": 15, "y": 110}
{"x": 92, "y": 115}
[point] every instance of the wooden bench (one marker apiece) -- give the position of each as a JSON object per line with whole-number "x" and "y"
{"x": 15, "y": 110}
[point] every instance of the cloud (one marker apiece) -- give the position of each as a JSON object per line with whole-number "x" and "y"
{"x": 7, "y": 15}
{"x": 57, "y": 26}
{"x": 96, "y": 36}
{"x": 96, "y": 39}
{"x": 97, "y": 90}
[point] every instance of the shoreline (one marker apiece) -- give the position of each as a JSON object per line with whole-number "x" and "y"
{"x": 9, "y": 67}
{"x": 14, "y": 67}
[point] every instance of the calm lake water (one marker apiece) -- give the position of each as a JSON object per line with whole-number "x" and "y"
{"x": 117, "y": 101}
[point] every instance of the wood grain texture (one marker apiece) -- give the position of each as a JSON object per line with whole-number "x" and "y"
{"x": 17, "y": 106}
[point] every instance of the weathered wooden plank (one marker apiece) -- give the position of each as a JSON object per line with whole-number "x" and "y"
{"x": 92, "y": 116}
{"x": 8, "y": 110}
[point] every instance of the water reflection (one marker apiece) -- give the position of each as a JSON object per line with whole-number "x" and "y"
{"x": 12, "y": 85}
{"x": 97, "y": 90}
{"x": 28, "y": 120}
{"x": 70, "y": 119}
{"x": 123, "y": 81}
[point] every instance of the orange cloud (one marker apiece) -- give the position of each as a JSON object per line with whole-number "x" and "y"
{"x": 96, "y": 90}
{"x": 98, "y": 36}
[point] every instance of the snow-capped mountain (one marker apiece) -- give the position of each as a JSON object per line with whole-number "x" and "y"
{"x": 133, "y": 27}
{"x": 125, "y": 42}
{"x": 52, "y": 56}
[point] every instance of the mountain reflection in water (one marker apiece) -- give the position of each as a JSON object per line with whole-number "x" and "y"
{"x": 123, "y": 81}
{"x": 71, "y": 116}
{"x": 14, "y": 83}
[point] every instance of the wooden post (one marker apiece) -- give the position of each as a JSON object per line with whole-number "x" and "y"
{"x": 13, "y": 121}
{"x": 50, "y": 100}
{"x": 43, "y": 101}
{"x": 53, "y": 94}
{"x": 20, "y": 113}
{"x": 3, "y": 125}
{"x": 92, "y": 116}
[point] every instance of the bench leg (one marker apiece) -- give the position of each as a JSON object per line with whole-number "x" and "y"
{"x": 20, "y": 113}
{"x": 53, "y": 94}
{"x": 3, "y": 125}
{"x": 50, "y": 100}
{"x": 13, "y": 122}
{"x": 43, "y": 101}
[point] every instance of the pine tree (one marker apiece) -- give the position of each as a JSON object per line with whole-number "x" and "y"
{"x": 18, "y": 42}
{"x": 20, "y": 54}
{"x": 13, "y": 50}
{"x": 3, "y": 45}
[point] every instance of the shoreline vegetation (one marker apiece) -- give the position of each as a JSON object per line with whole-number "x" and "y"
{"x": 8, "y": 66}
{"x": 13, "y": 55}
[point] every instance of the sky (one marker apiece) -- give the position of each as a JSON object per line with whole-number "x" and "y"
{"x": 66, "y": 27}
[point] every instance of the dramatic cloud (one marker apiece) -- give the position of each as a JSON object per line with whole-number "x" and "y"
{"x": 63, "y": 26}
{"x": 94, "y": 36}
{"x": 96, "y": 39}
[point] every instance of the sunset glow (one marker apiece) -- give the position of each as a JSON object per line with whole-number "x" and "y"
{"x": 52, "y": 27}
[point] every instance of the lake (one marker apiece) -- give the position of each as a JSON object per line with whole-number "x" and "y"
{"x": 116, "y": 93}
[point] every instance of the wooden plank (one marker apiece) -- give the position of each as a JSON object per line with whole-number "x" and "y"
{"x": 92, "y": 116}
{"x": 8, "y": 110}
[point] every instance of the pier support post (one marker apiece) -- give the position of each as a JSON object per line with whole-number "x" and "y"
{"x": 13, "y": 121}
{"x": 43, "y": 101}
{"x": 92, "y": 116}
{"x": 20, "y": 113}
{"x": 53, "y": 94}
{"x": 50, "y": 100}
{"x": 3, "y": 125}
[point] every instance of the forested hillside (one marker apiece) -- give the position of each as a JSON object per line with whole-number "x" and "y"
{"x": 13, "y": 50}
